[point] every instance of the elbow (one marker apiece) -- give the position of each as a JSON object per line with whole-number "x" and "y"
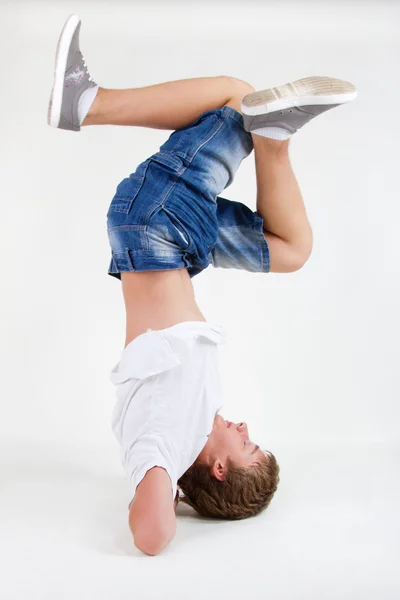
{"x": 151, "y": 544}
{"x": 150, "y": 549}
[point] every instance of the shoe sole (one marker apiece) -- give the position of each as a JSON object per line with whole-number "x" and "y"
{"x": 64, "y": 42}
{"x": 310, "y": 91}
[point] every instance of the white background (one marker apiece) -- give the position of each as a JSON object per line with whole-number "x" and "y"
{"x": 312, "y": 358}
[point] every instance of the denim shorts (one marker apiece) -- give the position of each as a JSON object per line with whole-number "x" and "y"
{"x": 168, "y": 214}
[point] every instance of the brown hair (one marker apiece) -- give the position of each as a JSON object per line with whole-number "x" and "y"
{"x": 245, "y": 492}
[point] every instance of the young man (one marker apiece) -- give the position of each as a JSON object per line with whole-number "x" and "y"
{"x": 167, "y": 223}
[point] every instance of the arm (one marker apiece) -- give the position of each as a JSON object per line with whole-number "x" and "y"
{"x": 152, "y": 513}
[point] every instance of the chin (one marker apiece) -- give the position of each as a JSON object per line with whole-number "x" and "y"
{"x": 222, "y": 421}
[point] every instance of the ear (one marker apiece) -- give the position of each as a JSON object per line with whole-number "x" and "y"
{"x": 219, "y": 470}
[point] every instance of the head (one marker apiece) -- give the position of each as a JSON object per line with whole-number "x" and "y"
{"x": 232, "y": 478}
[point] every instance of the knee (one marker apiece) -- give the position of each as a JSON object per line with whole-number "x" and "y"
{"x": 239, "y": 86}
{"x": 288, "y": 256}
{"x": 299, "y": 256}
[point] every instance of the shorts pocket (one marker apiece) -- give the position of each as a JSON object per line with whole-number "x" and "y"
{"x": 166, "y": 159}
{"x": 185, "y": 143}
{"x": 128, "y": 189}
{"x": 165, "y": 228}
{"x": 180, "y": 233}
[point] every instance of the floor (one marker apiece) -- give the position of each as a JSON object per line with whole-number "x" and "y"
{"x": 331, "y": 532}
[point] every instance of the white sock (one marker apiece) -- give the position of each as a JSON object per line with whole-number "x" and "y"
{"x": 275, "y": 133}
{"x": 85, "y": 102}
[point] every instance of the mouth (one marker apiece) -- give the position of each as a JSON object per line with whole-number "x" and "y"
{"x": 228, "y": 423}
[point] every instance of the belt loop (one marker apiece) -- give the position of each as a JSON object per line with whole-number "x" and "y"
{"x": 113, "y": 265}
{"x": 187, "y": 260}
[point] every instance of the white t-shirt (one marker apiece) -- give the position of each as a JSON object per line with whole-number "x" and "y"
{"x": 168, "y": 393}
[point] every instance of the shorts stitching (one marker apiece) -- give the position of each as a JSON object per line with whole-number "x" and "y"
{"x": 129, "y": 200}
{"x": 126, "y": 227}
{"x": 167, "y": 192}
{"x": 221, "y": 123}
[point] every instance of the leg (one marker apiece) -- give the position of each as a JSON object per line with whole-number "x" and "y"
{"x": 280, "y": 204}
{"x": 170, "y": 105}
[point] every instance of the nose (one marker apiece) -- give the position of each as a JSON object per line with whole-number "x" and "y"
{"x": 242, "y": 428}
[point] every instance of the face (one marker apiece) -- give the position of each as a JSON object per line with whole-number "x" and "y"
{"x": 229, "y": 440}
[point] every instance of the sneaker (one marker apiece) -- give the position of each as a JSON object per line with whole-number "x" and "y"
{"x": 292, "y": 105}
{"x": 71, "y": 79}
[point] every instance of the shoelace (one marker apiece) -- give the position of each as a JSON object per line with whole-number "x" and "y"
{"x": 86, "y": 68}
